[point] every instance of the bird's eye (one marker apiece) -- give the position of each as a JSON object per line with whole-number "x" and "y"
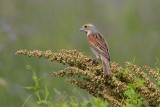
{"x": 85, "y": 26}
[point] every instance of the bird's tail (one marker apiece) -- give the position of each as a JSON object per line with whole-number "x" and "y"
{"x": 106, "y": 66}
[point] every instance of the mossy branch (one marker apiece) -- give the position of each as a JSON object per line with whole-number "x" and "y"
{"x": 91, "y": 77}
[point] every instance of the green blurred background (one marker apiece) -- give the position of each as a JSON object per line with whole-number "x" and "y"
{"x": 132, "y": 29}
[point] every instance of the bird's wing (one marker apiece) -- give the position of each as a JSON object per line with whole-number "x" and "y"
{"x": 99, "y": 44}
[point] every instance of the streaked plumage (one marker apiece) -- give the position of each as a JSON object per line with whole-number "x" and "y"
{"x": 99, "y": 46}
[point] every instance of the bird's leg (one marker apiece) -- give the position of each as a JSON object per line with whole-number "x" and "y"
{"x": 93, "y": 60}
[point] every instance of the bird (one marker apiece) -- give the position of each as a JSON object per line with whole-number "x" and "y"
{"x": 99, "y": 46}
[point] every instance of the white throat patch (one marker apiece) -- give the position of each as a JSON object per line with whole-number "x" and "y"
{"x": 88, "y": 32}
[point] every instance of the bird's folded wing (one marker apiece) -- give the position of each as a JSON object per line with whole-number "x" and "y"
{"x": 99, "y": 44}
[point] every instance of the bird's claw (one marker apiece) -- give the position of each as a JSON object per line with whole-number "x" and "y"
{"x": 93, "y": 60}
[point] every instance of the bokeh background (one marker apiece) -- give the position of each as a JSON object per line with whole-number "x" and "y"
{"x": 132, "y": 29}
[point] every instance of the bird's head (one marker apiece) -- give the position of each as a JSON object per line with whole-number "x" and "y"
{"x": 88, "y": 28}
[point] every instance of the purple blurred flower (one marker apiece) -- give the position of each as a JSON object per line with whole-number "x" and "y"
{"x": 4, "y": 25}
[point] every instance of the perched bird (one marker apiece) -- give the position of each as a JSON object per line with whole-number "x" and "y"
{"x": 99, "y": 46}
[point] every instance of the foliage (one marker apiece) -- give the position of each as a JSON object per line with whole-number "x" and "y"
{"x": 133, "y": 97}
{"x": 38, "y": 100}
{"x": 132, "y": 86}
{"x": 36, "y": 89}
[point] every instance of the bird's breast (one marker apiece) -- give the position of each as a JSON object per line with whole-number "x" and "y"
{"x": 91, "y": 38}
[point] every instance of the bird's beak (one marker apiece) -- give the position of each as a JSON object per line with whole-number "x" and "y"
{"x": 82, "y": 29}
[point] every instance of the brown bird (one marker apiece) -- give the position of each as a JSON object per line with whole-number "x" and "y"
{"x": 99, "y": 46}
